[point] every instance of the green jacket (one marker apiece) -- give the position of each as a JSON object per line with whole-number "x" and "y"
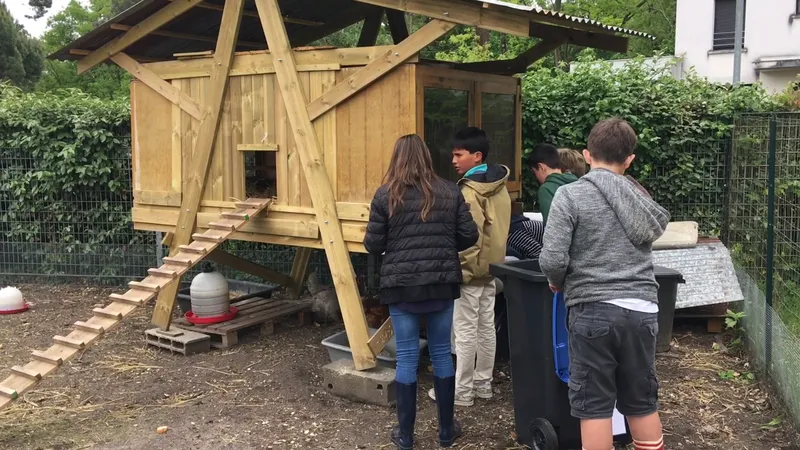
{"x": 548, "y": 190}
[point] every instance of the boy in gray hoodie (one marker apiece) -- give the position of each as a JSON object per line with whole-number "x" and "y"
{"x": 598, "y": 249}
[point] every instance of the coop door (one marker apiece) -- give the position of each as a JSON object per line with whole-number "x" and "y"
{"x": 260, "y": 172}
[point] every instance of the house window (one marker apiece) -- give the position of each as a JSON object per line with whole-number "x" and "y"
{"x": 725, "y": 24}
{"x": 797, "y": 7}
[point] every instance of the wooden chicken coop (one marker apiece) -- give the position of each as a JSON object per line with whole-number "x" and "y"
{"x": 242, "y": 130}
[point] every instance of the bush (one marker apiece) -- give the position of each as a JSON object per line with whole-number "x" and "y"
{"x": 683, "y": 125}
{"x": 65, "y": 191}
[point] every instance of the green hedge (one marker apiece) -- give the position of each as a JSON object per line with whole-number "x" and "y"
{"x": 65, "y": 192}
{"x": 684, "y": 126}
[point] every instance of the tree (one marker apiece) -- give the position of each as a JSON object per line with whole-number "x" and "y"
{"x": 75, "y": 20}
{"x": 21, "y": 59}
{"x": 40, "y": 8}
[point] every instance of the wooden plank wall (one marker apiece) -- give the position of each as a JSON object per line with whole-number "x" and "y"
{"x": 367, "y": 127}
{"x": 250, "y": 116}
{"x": 357, "y": 140}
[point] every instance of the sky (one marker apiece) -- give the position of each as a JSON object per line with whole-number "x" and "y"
{"x": 19, "y": 8}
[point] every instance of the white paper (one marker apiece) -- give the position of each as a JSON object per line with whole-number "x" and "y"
{"x": 533, "y": 216}
{"x": 618, "y": 423}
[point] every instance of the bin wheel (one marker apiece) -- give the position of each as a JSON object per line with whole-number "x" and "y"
{"x": 543, "y": 435}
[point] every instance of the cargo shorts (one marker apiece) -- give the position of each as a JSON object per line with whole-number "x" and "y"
{"x": 612, "y": 361}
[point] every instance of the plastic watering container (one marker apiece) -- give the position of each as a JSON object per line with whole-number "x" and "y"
{"x": 209, "y": 293}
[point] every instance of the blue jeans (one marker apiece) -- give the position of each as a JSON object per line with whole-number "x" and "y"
{"x": 406, "y": 332}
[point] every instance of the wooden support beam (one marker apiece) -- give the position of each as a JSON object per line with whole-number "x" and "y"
{"x": 160, "y": 18}
{"x": 189, "y": 36}
{"x": 381, "y": 337}
{"x": 246, "y": 13}
{"x": 397, "y": 25}
{"x": 308, "y": 148}
{"x": 380, "y": 67}
{"x": 371, "y": 28}
{"x": 302, "y": 257}
{"x": 516, "y": 65}
{"x": 198, "y": 169}
{"x": 158, "y": 84}
{"x": 241, "y": 264}
{"x": 464, "y": 13}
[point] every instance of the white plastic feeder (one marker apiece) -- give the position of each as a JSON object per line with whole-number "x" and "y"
{"x": 11, "y": 301}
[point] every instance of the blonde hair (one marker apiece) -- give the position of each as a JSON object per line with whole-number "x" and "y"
{"x": 572, "y": 161}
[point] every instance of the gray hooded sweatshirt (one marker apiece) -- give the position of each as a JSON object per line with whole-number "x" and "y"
{"x": 599, "y": 237}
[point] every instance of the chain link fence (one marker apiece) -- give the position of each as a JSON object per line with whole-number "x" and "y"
{"x": 763, "y": 235}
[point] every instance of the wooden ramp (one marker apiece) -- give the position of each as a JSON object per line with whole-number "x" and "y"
{"x": 44, "y": 363}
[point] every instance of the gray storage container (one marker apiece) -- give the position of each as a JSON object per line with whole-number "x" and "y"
{"x": 339, "y": 348}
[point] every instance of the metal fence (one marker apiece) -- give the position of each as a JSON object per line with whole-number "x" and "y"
{"x": 85, "y": 234}
{"x": 764, "y": 238}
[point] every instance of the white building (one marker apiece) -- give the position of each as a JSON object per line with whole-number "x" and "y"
{"x": 704, "y": 38}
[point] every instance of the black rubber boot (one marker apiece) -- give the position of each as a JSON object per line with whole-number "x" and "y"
{"x": 403, "y": 432}
{"x": 449, "y": 428}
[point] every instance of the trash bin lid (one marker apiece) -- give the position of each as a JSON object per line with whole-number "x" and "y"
{"x": 526, "y": 269}
{"x": 666, "y": 272}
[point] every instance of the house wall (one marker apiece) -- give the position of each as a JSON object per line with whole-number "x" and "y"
{"x": 770, "y": 31}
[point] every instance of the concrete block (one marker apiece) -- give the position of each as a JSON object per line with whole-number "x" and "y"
{"x": 178, "y": 340}
{"x": 374, "y": 386}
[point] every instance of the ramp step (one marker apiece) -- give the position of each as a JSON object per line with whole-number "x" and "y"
{"x": 190, "y": 249}
{"x": 250, "y": 204}
{"x": 207, "y": 237}
{"x": 100, "y": 312}
{"x": 126, "y": 300}
{"x": 222, "y": 226}
{"x": 144, "y": 286}
{"x": 72, "y": 343}
{"x": 239, "y": 215}
{"x": 186, "y": 262}
{"x": 23, "y": 372}
{"x": 90, "y": 327}
{"x": 164, "y": 273}
{"x": 8, "y": 392}
{"x": 44, "y": 357}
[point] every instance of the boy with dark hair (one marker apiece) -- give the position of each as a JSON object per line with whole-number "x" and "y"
{"x": 484, "y": 188}
{"x": 549, "y": 172}
{"x": 598, "y": 249}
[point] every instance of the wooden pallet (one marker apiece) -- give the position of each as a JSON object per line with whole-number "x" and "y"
{"x": 253, "y": 312}
{"x": 85, "y": 333}
{"x": 714, "y": 315}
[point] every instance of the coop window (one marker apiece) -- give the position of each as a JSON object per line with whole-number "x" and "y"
{"x": 445, "y": 112}
{"x": 260, "y": 179}
{"x": 725, "y": 24}
{"x": 498, "y": 120}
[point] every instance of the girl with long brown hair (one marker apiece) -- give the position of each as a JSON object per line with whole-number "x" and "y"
{"x": 420, "y": 222}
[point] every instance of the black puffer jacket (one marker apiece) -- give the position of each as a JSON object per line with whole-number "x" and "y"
{"x": 420, "y": 253}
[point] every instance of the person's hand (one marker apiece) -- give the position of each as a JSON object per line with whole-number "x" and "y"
{"x": 554, "y": 289}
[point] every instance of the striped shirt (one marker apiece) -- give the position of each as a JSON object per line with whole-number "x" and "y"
{"x": 526, "y": 238}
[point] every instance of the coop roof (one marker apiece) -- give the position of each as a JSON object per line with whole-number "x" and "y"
{"x": 309, "y": 20}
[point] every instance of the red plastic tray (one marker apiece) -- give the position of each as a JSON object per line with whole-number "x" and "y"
{"x": 16, "y": 311}
{"x": 232, "y": 311}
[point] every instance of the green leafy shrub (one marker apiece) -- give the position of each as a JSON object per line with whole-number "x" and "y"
{"x": 683, "y": 126}
{"x": 65, "y": 190}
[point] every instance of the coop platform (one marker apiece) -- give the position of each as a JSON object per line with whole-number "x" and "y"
{"x": 252, "y": 312}
{"x": 178, "y": 340}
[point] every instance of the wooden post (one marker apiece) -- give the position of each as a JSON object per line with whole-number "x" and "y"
{"x": 319, "y": 186}
{"x": 371, "y": 28}
{"x": 198, "y": 169}
{"x": 299, "y": 270}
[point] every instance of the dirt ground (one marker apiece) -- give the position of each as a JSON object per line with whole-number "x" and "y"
{"x": 267, "y": 393}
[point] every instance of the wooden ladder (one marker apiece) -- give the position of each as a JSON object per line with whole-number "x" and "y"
{"x": 44, "y": 363}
